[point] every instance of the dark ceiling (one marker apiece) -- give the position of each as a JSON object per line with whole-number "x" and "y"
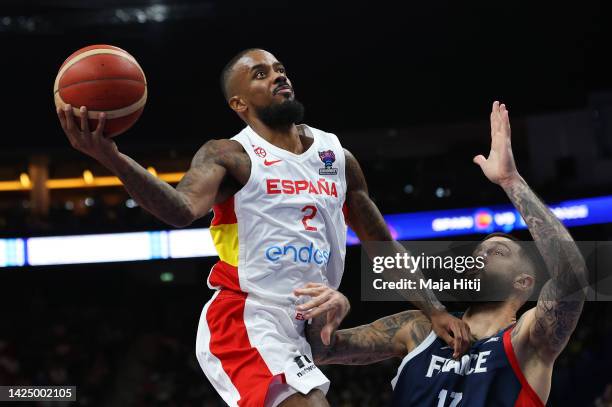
{"x": 359, "y": 65}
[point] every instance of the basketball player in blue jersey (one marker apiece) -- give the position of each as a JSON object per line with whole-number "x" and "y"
{"x": 510, "y": 363}
{"x": 278, "y": 191}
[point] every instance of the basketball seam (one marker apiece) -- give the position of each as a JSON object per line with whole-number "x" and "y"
{"x": 102, "y": 51}
{"x": 129, "y": 58}
{"x": 101, "y": 79}
{"x": 110, "y": 114}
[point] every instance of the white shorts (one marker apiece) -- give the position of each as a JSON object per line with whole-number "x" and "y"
{"x": 255, "y": 354}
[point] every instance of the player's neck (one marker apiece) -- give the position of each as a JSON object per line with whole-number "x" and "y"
{"x": 285, "y": 138}
{"x": 486, "y": 319}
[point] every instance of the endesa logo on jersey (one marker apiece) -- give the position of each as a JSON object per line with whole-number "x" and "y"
{"x": 297, "y": 254}
{"x": 302, "y": 186}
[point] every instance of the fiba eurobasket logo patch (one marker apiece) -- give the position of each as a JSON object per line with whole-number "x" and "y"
{"x": 328, "y": 157}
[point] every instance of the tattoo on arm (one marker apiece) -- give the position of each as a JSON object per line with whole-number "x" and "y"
{"x": 370, "y": 343}
{"x": 364, "y": 216}
{"x": 173, "y": 206}
{"x": 562, "y": 297}
{"x": 369, "y": 225}
{"x": 154, "y": 195}
{"x": 517, "y": 328}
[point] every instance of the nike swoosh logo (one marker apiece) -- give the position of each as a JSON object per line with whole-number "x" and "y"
{"x": 269, "y": 163}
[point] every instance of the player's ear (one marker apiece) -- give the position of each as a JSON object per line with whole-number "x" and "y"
{"x": 524, "y": 282}
{"x": 237, "y": 104}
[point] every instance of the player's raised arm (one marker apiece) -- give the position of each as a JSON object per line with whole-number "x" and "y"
{"x": 547, "y": 328}
{"x": 391, "y": 336}
{"x": 369, "y": 225}
{"x": 192, "y": 198}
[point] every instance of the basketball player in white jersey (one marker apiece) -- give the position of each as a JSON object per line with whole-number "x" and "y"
{"x": 278, "y": 191}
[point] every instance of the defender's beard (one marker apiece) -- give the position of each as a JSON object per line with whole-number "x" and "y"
{"x": 492, "y": 288}
{"x": 281, "y": 115}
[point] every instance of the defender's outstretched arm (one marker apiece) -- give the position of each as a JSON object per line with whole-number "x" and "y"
{"x": 549, "y": 326}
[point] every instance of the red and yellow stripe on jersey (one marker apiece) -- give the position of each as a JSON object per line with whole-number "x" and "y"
{"x": 224, "y": 231}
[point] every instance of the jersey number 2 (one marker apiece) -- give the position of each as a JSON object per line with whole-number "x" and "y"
{"x": 455, "y": 397}
{"x": 306, "y": 218}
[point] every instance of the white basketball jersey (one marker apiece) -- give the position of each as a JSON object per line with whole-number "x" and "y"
{"x": 286, "y": 226}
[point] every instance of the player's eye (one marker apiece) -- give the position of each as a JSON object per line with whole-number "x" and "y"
{"x": 282, "y": 70}
{"x": 496, "y": 252}
{"x": 260, "y": 75}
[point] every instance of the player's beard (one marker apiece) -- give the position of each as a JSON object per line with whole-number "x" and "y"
{"x": 493, "y": 287}
{"x": 281, "y": 115}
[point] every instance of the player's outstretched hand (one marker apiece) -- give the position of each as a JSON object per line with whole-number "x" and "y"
{"x": 91, "y": 143}
{"x": 455, "y": 332}
{"x": 499, "y": 166}
{"x": 324, "y": 300}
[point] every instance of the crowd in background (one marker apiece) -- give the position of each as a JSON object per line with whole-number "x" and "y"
{"x": 139, "y": 352}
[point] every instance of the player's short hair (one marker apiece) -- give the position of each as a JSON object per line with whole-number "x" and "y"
{"x": 532, "y": 254}
{"x": 227, "y": 70}
{"x": 501, "y": 234}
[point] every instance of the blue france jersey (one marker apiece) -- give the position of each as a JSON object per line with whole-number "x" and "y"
{"x": 489, "y": 375}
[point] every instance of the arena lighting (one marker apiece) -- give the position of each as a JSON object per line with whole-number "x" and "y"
{"x": 13, "y": 186}
{"x": 197, "y": 242}
{"x": 24, "y": 180}
{"x": 67, "y": 18}
{"x": 12, "y": 252}
{"x": 152, "y": 171}
{"x": 88, "y": 177}
{"x": 71, "y": 183}
{"x": 166, "y": 277}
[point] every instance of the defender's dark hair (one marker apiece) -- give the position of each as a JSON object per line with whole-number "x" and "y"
{"x": 532, "y": 253}
{"x": 501, "y": 234}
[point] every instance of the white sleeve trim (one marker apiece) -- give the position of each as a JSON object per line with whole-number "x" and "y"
{"x": 422, "y": 346}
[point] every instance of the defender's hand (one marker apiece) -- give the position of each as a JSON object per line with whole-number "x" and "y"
{"x": 324, "y": 300}
{"x": 93, "y": 143}
{"x": 499, "y": 166}
{"x": 453, "y": 331}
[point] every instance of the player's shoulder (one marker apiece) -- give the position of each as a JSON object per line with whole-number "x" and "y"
{"x": 520, "y": 336}
{"x": 321, "y": 133}
{"x": 531, "y": 352}
{"x": 520, "y": 331}
{"x": 218, "y": 149}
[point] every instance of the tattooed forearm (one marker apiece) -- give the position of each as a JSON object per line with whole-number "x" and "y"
{"x": 561, "y": 255}
{"x": 370, "y": 343}
{"x": 562, "y": 297}
{"x": 370, "y": 226}
{"x": 193, "y": 197}
{"x": 153, "y": 194}
{"x": 555, "y": 320}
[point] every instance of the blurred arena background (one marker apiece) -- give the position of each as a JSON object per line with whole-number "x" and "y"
{"x": 407, "y": 88}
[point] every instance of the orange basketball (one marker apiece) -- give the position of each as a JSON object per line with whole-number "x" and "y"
{"x": 106, "y": 79}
